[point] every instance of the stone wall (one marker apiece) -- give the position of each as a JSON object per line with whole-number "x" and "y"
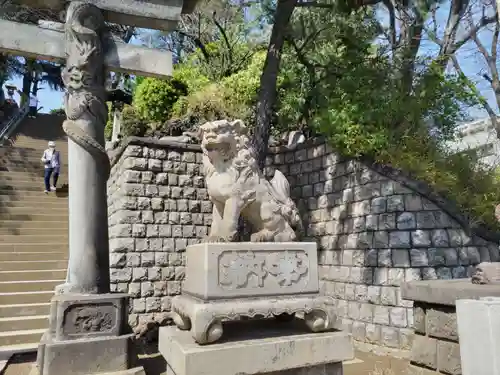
{"x": 376, "y": 230}
{"x": 157, "y": 206}
{"x": 436, "y": 348}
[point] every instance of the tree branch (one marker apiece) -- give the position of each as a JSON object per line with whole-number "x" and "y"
{"x": 473, "y": 30}
{"x": 392, "y": 23}
{"x": 224, "y": 36}
{"x": 198, "y": 43}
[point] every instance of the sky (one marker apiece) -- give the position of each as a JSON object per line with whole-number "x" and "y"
{"x": 471, "y": 61}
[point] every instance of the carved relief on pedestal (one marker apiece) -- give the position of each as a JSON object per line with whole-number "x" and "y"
{"x": 88, "y": 319}
{"x": 255, "y": 269}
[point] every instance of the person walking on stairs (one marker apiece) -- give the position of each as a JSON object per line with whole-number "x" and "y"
{"x": 52, "y": 161}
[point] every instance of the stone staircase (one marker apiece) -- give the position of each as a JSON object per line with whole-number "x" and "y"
{"x": 33, "y": 233}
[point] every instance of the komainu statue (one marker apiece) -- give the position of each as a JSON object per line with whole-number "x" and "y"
{"x": 237, "y": 187}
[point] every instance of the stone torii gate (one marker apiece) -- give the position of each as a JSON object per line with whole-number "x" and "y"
{"x": 86, "y": 333}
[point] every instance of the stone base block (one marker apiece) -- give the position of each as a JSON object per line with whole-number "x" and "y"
{"x": 245, "y": 269}
{"x": 86, "y": 336}
{"x": 132, "y": 371}
{"x": 83, "y": 357}
{"x": 479, "y": 335}
{"x": 257, "y": 347}
{"x": 416, "y": 370}
{"x": 204, "y": 319}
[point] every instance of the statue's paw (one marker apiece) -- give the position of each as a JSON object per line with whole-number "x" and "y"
{"x": 213, "y": 239}
{"x": 262, "y": 236}
{"x": 219, "y": 239}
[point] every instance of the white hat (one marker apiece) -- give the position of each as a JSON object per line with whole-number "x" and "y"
{"x": 52, "y": 144}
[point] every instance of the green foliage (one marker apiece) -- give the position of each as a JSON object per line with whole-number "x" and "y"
{"x": 232, "y": 97}
{"x": 243, "y": 86}
{"x": 476, "y": 191}
{"x": 108, "y": 129}
{"x": 132, "y": 123}
{"x": 353, "y": 94}
{"x": 154, "y": 98}
{"x": 58, "y": 111}
{"x": 191, "y": 75}
{"x": 207, "y": 105}
{"x": 334, "y": 80}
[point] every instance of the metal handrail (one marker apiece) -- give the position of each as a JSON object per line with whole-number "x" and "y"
{"x": 14, "y": 121}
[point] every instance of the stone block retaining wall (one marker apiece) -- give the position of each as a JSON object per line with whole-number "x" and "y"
{"x": 435, "y": 345}
{"x": 157, "y": 206}
{"x": 436, "y": 348}
{"x": 376, "y": 230}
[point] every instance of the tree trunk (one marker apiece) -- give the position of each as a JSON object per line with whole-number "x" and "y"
{"x": 268, "y": 80}
{"x": 27, "y": 80}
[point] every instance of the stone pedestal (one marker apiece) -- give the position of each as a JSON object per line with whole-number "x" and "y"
{"x": 262, "y": 347}
{"x": 230, "y": 281}
{"x": 479, "y": 335}
{"x": 87, "y": 335}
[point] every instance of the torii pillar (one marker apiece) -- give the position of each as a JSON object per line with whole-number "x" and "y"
{"x": 88, "y": 325}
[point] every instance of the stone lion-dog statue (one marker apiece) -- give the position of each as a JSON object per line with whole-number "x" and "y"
{"x": 237, "y": 186}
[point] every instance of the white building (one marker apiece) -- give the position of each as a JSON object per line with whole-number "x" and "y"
{"x": 480, "y": 136}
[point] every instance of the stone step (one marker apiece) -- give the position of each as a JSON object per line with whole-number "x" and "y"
{"x": 30, "y": 155}
{"x": 24, "y": 168}
{"x": 37, "y": 193}
{"x": 21, "y": 175}
{"x": 8, "y": 351}
{"x": 26, "y": 178}
{"x": 40, "y": 206}
{"x": 29, "y": 184}
{"x": 25, "y": 309}
{"x": 20, "y": 224}
{"x": 29, "y": 286}
{"x": 15, "y": 265}
{"x": 33, "y": 231}
{"x": 17, "y": 216}
{"x": 21, "y": 337}
{"x": 35, "y": 257}
{"x": 26, "y": 146}
{"x": 32, "y": 199}
{"x": 33, "y": 275}
{"x": 29, "y": 159}
{"x": 36, "y": 188}
{"x": 15, "y": 298}
{"x": 41, "y": 238}
{"x": 23, "y": 323}
{"x": 33, "y": 247}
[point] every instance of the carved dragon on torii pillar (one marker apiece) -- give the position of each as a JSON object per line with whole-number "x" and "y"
{"x": 86, "y": 111}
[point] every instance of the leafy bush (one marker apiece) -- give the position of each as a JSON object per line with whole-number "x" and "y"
{"x": 132, "y": 123}
{"x": 58, "y": 111}
{"x": 206, "y": 105}
{"x": 154, "y": 98}
{"x": 191, "y": 76}
{"x": 108, "y": 129}
{"x": 242, "y": 88}
{"x": 476, "y": 191}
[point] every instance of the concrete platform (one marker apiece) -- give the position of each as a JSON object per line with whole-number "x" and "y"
{"x": 446, "y": 292}
{"x": 257, "y": 347}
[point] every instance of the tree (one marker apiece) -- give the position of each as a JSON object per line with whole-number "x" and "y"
{"x": 268, "y": 81}
{"x": 403, "y": 33}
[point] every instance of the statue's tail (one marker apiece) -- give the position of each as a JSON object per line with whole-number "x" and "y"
{"x": 281, "y": 189}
